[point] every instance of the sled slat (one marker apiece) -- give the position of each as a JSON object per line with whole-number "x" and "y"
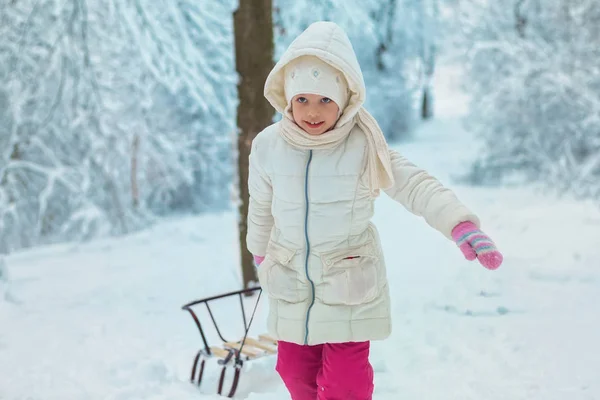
{"x": 246, "y": 350}
{"x": 219, "y": 352}
{"x": 267, "y": 338}
{"x": 261, "y": 345}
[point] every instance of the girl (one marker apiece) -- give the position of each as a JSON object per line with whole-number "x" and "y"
{"x": 313, "y": 180}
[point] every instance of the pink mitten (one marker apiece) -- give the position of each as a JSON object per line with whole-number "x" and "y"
{"x": 475, "y": 244}
{"x": 258, "y": 260}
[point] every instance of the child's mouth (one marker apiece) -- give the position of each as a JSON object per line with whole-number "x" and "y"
{"x": 314, "y": 125}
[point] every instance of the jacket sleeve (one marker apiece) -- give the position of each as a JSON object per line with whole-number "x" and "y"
{"x": 260, "y": 220}
{"x": 423, "y": 195}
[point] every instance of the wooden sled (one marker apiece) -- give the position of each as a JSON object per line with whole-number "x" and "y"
{"x": 230, "y": 354}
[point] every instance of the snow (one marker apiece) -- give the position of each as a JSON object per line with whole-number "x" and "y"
{"x": 103, "y": 320}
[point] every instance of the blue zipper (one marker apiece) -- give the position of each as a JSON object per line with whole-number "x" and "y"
{"x": 307, "y": 245}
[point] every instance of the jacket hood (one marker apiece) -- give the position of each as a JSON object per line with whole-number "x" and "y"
{"x": 328, "y": 42}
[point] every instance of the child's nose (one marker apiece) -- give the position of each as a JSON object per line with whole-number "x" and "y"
{"x": 312, "y": 112}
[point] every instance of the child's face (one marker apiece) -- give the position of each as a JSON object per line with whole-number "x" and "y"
{"x": 313, "y": 113}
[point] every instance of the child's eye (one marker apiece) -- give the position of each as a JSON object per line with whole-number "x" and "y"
{"x": 326, "y": 100}
{"x": 301, "y": 100}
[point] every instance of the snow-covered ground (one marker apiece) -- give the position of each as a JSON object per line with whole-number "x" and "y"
{"x": 103, "y": 320}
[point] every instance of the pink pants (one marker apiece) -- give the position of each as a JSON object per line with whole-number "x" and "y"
{"x": 339, "y": 371}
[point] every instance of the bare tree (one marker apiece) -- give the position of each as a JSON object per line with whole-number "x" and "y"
{"x": 253, "y": 25}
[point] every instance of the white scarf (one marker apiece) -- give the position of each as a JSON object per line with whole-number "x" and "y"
{"x": 378, "y": 158}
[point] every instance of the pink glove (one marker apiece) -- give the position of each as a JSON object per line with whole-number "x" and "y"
{"x": 258, "y": 260}
{"x": 475, "y": 244}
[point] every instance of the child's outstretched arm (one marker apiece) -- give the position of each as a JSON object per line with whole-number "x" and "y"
{"x": 260, "y": 220}
{"x": 423, "y": 195}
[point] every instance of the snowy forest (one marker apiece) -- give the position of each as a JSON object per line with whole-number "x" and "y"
{"x": 114, "y": 114}
{"x": 125, "y": 266}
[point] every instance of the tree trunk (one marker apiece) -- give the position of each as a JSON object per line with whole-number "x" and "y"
{"x": 427, "y": 104}
{"x": 253, "y": 27}
{"x": 385, "y": 39}
{"x": 429, "y": 16}
{"x": 135, "y": 194}
{"x": 520, "y": 18}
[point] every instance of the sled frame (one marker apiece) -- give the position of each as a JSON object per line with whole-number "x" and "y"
{"x": 233, "y": 353}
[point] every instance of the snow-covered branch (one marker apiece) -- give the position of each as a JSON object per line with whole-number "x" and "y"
{"x": 80, "y": 82}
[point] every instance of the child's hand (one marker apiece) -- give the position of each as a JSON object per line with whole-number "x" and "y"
{"x": 475, "y": 244}
{"x": 258, "y": 260}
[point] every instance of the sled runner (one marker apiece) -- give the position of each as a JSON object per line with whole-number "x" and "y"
{"x": 229, "y": 354}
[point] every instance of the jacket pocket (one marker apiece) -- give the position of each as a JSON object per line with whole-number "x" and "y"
{"x": 278, "y": 278}
{"x": 350, "y": 275}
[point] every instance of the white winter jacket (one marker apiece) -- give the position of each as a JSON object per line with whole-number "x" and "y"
{"x": 310, "y": 216}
